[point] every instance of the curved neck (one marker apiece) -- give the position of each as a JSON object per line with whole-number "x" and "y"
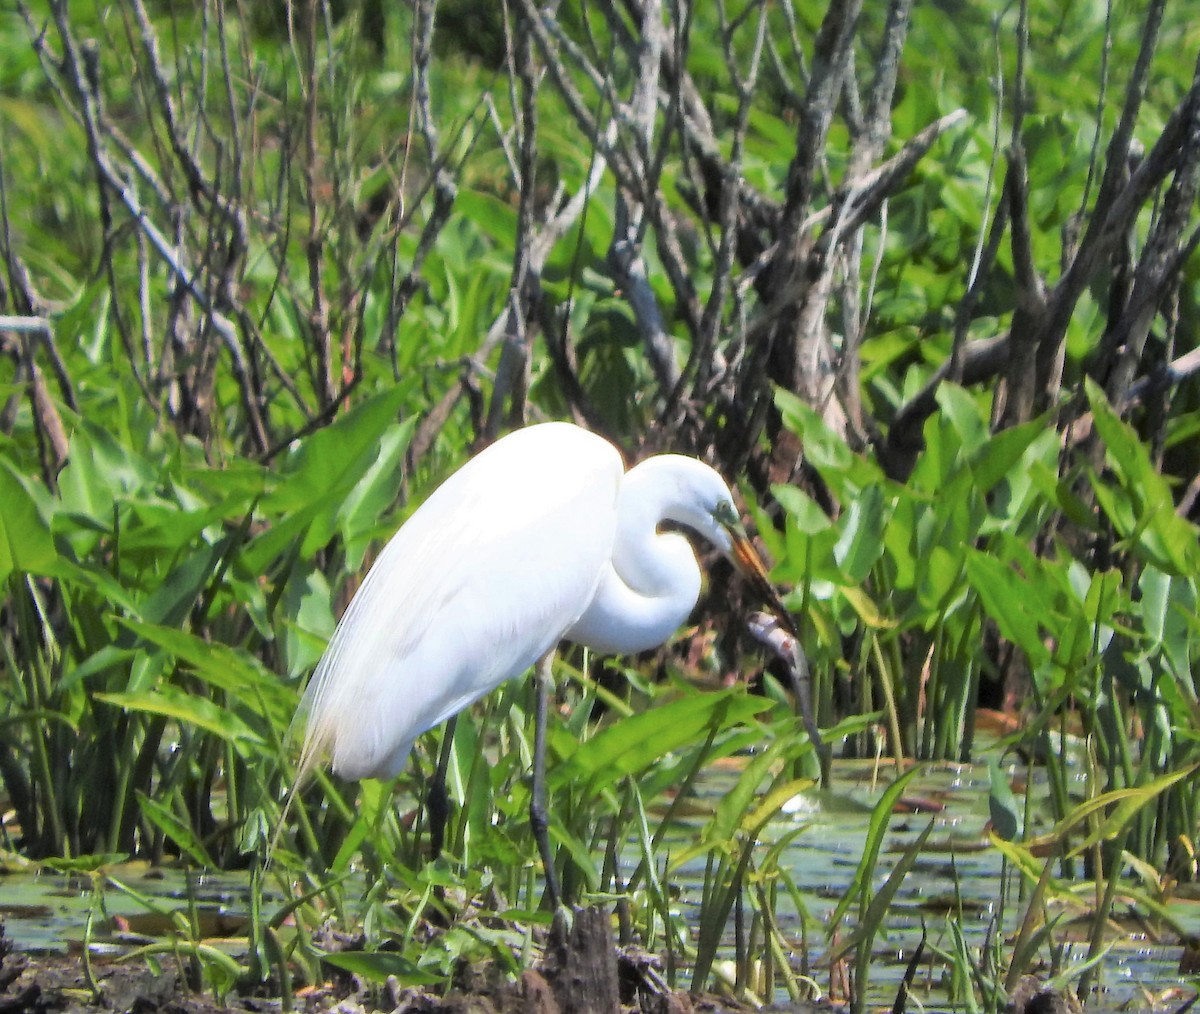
{"x": 653, "y": 580}
{"x": 650, "y": 562}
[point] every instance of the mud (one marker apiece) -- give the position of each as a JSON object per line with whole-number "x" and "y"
{"x": 581, "y": 973}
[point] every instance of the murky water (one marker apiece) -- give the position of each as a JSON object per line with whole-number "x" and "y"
{"x": 48, "y": 913}
{"x": 957, "y": 877}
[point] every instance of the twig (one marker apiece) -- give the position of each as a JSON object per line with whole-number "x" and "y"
{"x": 25, "y": 325}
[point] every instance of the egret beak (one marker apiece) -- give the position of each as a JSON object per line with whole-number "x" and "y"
{"x": 751, "y": 567}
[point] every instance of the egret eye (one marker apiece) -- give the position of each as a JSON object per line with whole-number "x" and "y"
{"x": 726, "y": 514}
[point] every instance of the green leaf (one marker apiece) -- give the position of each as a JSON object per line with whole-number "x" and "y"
{"x": 877, "y": 908}
{"x": 803, "y": 509}
{"x": 1168, "y": 606}
{"x": 307, "y": 505}
{"x": 187, "y": 708}
{"x": 335, "y": 457}
{"x": 1006, "y": 598}
{"x": 219, "y": 665}
{"x": 1142, "y": 509}
{"x": 733, "y": 808}
{"x": 101, "y": 471}
{"x": 175, "y": 829}
{"x": 941, "y": 572}
{"x": 1121, "y": 806}
{"x": 379, "y": 966}
{"x": 360, "y": 512}
{"x": 826, "y": 450}
{"x": 26, "y": 545}
{"x": 1000, "y": 455}
{"x": 174, "y": 598}
{"x": 1002, "y": 804}
{"x": 632, "y": 744}
{"x": 861, "y": 541}
{"x": 881, "y": 815}
{"x": 1111, "y": 812}
{"x": 308, "y": 607}
{"x": 963, "y": 412}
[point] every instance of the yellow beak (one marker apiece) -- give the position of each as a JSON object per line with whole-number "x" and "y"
{"x": 751, "y": 567}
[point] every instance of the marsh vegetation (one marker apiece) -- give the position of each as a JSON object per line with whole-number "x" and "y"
{"x": 920, "y": 279}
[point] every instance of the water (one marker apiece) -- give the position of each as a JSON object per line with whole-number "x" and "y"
{"x": 47, "y": 913}
{"x": 957, "y": 877}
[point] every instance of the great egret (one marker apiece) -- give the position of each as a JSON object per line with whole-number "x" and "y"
{"x": 541, "y": 537}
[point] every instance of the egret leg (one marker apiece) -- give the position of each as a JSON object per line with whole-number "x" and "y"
{"x": 437, "y": 802}
{"x": 538, "y": 818}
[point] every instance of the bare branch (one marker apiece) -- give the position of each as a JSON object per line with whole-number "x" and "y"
{"x": 833, "y": 44}
{"x": 877, "y": 118}
{"x": 1160, "y": 259}
{"x": 1114, "y": 213}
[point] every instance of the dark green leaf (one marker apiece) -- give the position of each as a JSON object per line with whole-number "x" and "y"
{"x": 1002, "y": 804}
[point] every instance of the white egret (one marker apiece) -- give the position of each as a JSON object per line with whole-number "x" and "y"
{"x": 541, "y": 537}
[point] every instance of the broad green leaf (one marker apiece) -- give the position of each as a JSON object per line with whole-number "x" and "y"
{"x": 284, "y": 537}
{"x": 802, "y": 508}
{"x": 941, "y": 467}
{"x": 109, "y": 657}
{"x": 825, "y": 450}
{"x": 861, "y": 541}
{"x": 941, "y": 570}
{"x": 1002, "y": 804}
{"x": 102, "y": 471}
{"x": 374, "y": 796}
{"x": 1001, "y": 454}
{"x": 254, "y": 688}
{"x": 964, "y": 414}
{"x": 375, "y": 493}
{"x": 866, "y": 609}
{"x": 99, "y": 581}
{"x": 735, "y": 805}
{"x": 175, "y": 597}
{"x": 334, "y": 458}
{"x": 631, "y": 744}
{"x": 1168, "y": 606}
{"x": 166, "y": 527}
{"x": 171, "y": 702}
{"x": 306, "y": 505}
{"x": 899, "y": 538}
{"x": 26, "y": 545}
{"x": 774, "y": 801}
{"x": 1006, "y": 598}
{"x": 582, "y": 857}
{"x": 1018, "y": 499}
{"x": 309, "y": 619}
{"x": 492, "y": 215}
{"x": 1143, "y": 510}
{"x": 88, "y": 863}
{"x": 379, "y": 966}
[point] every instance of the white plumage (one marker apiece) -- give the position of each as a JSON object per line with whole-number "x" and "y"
{"x": 541, "y": 536}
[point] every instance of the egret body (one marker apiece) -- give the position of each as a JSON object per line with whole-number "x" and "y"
{"x": 541, "y": 537}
